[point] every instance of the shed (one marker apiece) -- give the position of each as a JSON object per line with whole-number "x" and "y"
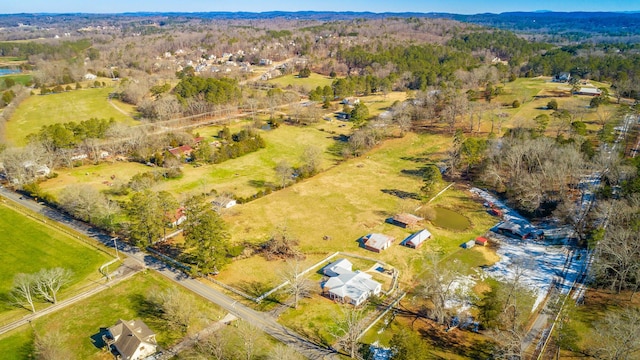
{"x": 469, "y": 244}
{"x": 405, "y": 220}
{"x": 481, "y": 241}
{"x": 377, "y": 242}
{"x": 416, "y": 239}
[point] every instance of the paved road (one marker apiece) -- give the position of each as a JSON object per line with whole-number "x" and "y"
{"x": 261, "y": 320}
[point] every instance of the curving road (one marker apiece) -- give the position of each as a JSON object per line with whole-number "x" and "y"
{"x": 263, "y": 321}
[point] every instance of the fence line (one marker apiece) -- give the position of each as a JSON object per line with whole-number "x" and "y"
{"x": 382, "y": 314}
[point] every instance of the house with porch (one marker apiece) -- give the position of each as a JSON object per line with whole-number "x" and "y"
{"x": 347, "y": 286}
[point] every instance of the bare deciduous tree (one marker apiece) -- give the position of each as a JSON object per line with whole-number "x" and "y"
{"x": 349, "y": 329}
{"x": 284, "y": 171}
{"x": 617, "y": 336}
{"x": 216, "y": 346}
{"x": 50, "y": 281}
{"x": 283, "y": 352}
{"x": 50, "y": 346}
{"x": 22, "y": 292}
{"x": 437, "y": 285}
{"x": 177, "y": 308}
{"x": 298, "y": 286}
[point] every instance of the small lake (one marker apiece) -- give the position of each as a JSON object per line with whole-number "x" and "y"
{"x": 8, "y": 71}
{"x": 449, "y": 219}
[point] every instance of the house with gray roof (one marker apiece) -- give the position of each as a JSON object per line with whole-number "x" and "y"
{"x": 132, "y": 340}
{"x": 353, "y": 287}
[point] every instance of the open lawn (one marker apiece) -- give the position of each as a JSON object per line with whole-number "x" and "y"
{"x": 28, "y": 246}
{"x": 307, "y": 84}
{"x": 379, "y": 103}
{"x": 75, "y": 105}
{"x": 18, "y": 78}
{"x": 95, "y": 175}
{"x": 79, "y": 325}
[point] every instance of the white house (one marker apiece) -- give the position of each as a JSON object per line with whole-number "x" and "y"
{"x": 338, "y": 267}
{"x": 132, "y": 339}
{"x": 224, "y": 202}
{"x": 90, "y": 76}
{"x": 352, "y": 287}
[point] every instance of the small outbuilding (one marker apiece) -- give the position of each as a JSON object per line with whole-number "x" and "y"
{"x": 481, "y": 241}
{"x": 469, "y": 244}
{"x": 416, "y": 239}
{"x": 224, "y": 202}
{"x": 377, "y": 242}
{"x": 405, "y": 220}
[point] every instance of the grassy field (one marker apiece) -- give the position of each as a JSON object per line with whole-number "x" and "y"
{"x": 18, "y": 78}
{"x": 534, "y": 94}
{"x": 354, "y": 199}
{"x": 307, "y": 84}
{"x": 243, "y": 176}
{"x": 78, "y": 324}
{"x": 95, "y": 175}
{"x": 75, "y": 105}
{"x": 29, "y": 246}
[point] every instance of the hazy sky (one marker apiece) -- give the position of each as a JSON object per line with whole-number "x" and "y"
{"x": 452, "y": 6}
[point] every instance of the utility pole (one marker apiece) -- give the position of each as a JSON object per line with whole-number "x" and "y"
{"x": 115, "y": 245}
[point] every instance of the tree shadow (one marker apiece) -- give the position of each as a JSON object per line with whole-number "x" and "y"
{"x": 413, "y": 172}
{"x": 149, "y": 311}
{"x": 253, "y": 288}
{"x": 145, "y": 307}
{"x": 401, "y": 194}
{"x": 257, "y": 183}
{"x": 26, "y": 350}
{"x": 417, "y": 159}
{"x": 6, "y": 302}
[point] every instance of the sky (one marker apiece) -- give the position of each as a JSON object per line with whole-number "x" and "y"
{"x": 450, "y": 6}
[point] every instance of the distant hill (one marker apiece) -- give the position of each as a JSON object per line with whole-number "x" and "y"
{"x": 580, "y": 24}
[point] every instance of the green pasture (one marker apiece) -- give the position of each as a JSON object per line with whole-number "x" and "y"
{"x": 75, "y": 105}
{"x": 248, "y": 174}
{"x": 29, "y": 245}
{"x": 307, "y": 84}
{"x": 78, "y": 324}
{"x": 18, "y": 78}
{"x": 99, "y": 176}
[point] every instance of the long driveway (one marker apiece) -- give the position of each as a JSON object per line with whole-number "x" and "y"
{"x": 261, "y": 320}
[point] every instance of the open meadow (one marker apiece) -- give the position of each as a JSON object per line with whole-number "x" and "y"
{"x": 29, "y": 245}
{"x": 534, "y": 94}
{"x": 75, "y": 105}
{"x": 352, "y": 200}
{"x": 243, "y": 176}
{"x": 79, "y": 325}
{"x": 305, "y": 84}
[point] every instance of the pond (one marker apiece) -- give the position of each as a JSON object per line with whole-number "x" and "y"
{"x": 8, "y": 71}
{"x": 451, "y": 220}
